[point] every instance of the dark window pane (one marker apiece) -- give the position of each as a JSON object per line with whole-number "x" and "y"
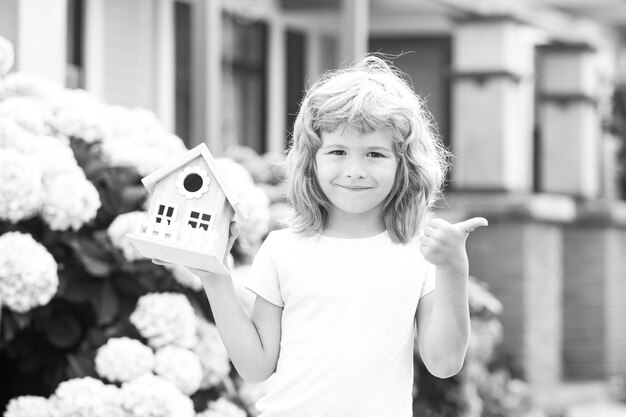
{"x": 161, "y": 209}
{"x": 170, "y": 211}
{"x": 158, "y": 220}
{"x": 206, "y": 217}
{"x": 193, "y": 224}
{"x": 204, "y": 226}
{"x": 183, "y": 70}
{"x": 195, "y": 214}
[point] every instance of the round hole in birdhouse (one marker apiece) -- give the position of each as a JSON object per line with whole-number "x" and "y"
{"x": 193, "y": 182}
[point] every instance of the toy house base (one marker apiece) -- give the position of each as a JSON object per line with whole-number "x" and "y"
{"x": 178, "y": 255}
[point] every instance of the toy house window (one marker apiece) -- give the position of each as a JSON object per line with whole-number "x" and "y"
{"x": 199, "y": 220}
{"x": 165, "y": 214}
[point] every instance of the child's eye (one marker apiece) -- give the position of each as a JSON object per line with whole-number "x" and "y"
{"x": 337, "y": 152}
{"x": 375, "y": 155}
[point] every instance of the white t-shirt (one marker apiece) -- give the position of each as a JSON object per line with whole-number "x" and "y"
{"x": 349, "y": 306}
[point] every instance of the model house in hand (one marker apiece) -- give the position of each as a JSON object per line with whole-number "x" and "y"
{"x": 191, "y": 207}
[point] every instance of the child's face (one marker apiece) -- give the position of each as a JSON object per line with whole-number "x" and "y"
{"x": 356, "y": 171}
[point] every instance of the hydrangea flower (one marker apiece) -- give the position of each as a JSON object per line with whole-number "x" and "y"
{"x": 30, "y": 406}
{"x": 87, "y": 397}
{"x": 125, "y": 153}
{"x": 28, "y": 112}
{"x": 222, "y": 408}
{"x": 153, "y": 396}
{"x": 11, "y": 134}
{"x": 180, "y": 366}
{"x": 164, "y": 319}
{"x": 212, "y": 353}
{"x": 123, "y": 359}
{"x": 22, "y": 84}
{"x": 85, "y": 123}
{"x": 69, "y": 202}
{"x": 21, "y": 191}
{"x": 28, "y": 273}
{"x": 120, "y": 227}
{"x": 254, "y": 201}
{"x": 7, "y": 56}
{"x": 185, "y": 277}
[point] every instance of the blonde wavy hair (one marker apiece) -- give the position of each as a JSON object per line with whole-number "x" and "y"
{"x": 368, "y": 95}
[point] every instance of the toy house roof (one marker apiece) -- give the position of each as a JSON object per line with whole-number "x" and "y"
{"x": 202, "y": 150}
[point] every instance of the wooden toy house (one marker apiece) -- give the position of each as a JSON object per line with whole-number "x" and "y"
{"x": 191, "y": 207}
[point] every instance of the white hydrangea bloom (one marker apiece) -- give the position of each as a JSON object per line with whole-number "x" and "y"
{"x": 131, "y": 123}
{"x": 21, "y": 191}
{"x": 125, "y": 153}
{"x": 254, "y": 202}
{"x": 119, "y": 228}
{"x": 85, "y": 123}
{"x": 164, "y": 319}
{"x": 54, "y": 158}
{"x": 123, "y": 359}
{"x": 153, "y": 396}
{"x": 185, "y": 277}
{"x": 11, "y": 134}
{"x": 73, "y": 98}
{"x": 222, "y": 408}
{"x": 7, "y": 56}
{"x": 69, "y": 202}
{"x": 28, "y": 112}
{"x": 28, "y": 273}
{"x": 87, "y": 397}
{"x": 30, "y": 406}
{"x": 22, "y": 84}
{"x": 212, "y": 353}
{"x": 180, "y": 366}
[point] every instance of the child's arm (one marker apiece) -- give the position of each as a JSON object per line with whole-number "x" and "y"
{"x": 443, "y": 322}
{"x": 252, "y": 342}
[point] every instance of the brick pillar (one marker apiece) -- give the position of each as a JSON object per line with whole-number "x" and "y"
{"x": 520, "y": 257}
{"x": 594, "y": 304}
{"x": 493, "y": 62}
{"x": 569, "y": 124}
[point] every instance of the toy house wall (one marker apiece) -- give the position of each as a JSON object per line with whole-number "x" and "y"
{"x": 213, "y": 201}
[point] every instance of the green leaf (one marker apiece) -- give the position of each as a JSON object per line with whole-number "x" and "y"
{"x": 105, "y": 303}
{"x": 81, "y": 365}
{"x": 62, "y": 329}
{"x": 98, "y": 261}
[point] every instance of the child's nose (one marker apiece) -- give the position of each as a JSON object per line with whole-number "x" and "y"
{"x": 354, "y": 170}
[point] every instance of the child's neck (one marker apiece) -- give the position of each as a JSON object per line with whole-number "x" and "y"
{"x": 353, "y": 227}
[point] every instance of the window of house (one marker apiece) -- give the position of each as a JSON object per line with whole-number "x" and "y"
{"x": 165, "y": 214}
{"x": 199, "y": 220}
{"x": 295, "y": 48}
{"x": 183, "y": 71}
{"x": 75, "y": 74}
{"x": 244, "y": 65}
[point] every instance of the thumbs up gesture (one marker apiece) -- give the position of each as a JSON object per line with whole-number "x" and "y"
{"x": 443, "y": 243}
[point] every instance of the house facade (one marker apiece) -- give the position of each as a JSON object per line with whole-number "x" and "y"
{"x": 520, "y": 91}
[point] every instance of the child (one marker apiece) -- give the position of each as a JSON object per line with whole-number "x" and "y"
{"x": 339, "y": 292}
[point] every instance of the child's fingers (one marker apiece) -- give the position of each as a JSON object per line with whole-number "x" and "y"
{"x": 233, "y": 233}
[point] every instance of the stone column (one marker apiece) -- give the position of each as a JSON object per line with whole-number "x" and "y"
{"x": 569, "y": 125}
{"x": 38, "y": 31}
{"x": 520, "y": 256}
{"x": 493, "y": 64}
{"x": 594, "y": 304}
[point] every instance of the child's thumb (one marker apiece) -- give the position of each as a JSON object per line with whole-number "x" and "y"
{"x": 472, "y": 224}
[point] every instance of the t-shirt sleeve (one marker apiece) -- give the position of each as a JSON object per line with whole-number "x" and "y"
{"x": 263, "y": 276}
{"x": 429, "y": 279}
